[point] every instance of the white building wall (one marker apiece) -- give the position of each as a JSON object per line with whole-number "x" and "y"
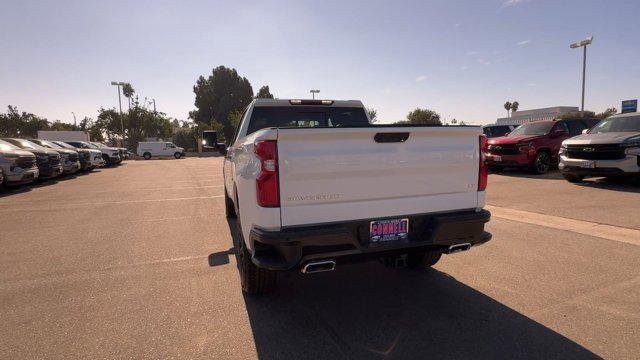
{"x": 524, "y": 116}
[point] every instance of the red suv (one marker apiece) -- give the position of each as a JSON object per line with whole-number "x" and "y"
{"x": 533, "y": 145}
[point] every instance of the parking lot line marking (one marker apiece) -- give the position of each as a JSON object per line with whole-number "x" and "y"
{"x": 609, "y": 232}
{"x": 161, "y": 261}
{"x": 169, "y": 218}
{"x": 119, "y": 202}
{"x": 175, "y": 188}
{"x": 149, "y": 200}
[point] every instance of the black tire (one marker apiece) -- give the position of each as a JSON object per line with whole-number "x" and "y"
{"x": 177, "y": 155}
{"x": 420, "y": 260}
{"x": 253, "y": 279}
{"x": 146, "y": 156}
{"x": 573, "y": 178}
{"x": 541, "y": 163}
{"x": 229, "y": 208}
{"x": 107, "y": 160}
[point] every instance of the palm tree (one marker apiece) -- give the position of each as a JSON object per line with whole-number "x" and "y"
{"x": 128, "y": 91}
{"x": 507, "y": 106}
{"x": 514, "y": 106}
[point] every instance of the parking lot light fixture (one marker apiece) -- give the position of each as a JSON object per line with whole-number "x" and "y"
{"x": 583, "y": 44}
{"x": 119, "y": 84}
{"x": 313, "y": 93}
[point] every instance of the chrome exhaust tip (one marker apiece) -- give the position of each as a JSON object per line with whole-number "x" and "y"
{"x": 318, "y": 266}
{"x": 458, "y": 248}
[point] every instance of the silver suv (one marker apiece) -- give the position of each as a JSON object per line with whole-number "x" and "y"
{"x": 17, "y": 166}
{"x": 611, "y": 149}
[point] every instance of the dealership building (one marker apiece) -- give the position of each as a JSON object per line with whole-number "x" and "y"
{"x": 524, "y": 116}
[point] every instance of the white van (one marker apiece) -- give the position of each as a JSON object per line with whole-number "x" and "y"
{"x": 149, "y": 149}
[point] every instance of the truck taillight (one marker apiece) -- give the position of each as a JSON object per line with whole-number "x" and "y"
{"x": 267, "y": 182}
{"x": 482, "y": 169}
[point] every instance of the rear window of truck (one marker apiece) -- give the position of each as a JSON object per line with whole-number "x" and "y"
{"x": 306, "y": 116}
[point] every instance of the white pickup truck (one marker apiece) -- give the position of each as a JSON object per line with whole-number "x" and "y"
{"x": 314, "y": 185}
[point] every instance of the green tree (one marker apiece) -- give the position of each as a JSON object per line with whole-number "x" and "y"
{"x": 185, "y": 137}
{"x": 372, "y": 114}
{"x": 264, "y": 93}
{"x": 514, "y": 106}
{"x": 218, "y": 95}
{"x": 128, "y": 91}
{"x": 507, "y": 106}
{"x": 92, "y": 128}
{"x": 62, "y": 126}
{"x": 577, "y": 115}
{"x": 424, "y": 116}
{"x": 25, "y": 125}
{"x": 605, "y": 114}
{"x": 139, "y": 124}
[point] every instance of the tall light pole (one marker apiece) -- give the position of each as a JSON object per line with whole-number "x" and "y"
{"x": 313, "y": 93}
{"x": 154, "y": 106}
{"x": 583, "y": 44}
{"x": 74, "y": 119}
{"x": 119, "y": 84}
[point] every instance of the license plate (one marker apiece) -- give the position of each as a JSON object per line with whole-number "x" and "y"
{"x": 388, "y": 230}
{"x": 497, "y": 158}
{"x": 588, "y": 164}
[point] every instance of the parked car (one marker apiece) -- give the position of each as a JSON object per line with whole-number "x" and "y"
{"x": 611, "y": 149}
{"x": 533, "y": 145}
{"x": 69, "y": 158}
{"x": 47, "y": 160}
{"x": 89, "y": 158}
{"x": 314, "y": 184}
{"x": 121, "y": 151}
{"x": 495, "y": 130}
{"x": 111, "y": 156}
{"x": 18, "y": 166}
{"x": 149, "y": 149}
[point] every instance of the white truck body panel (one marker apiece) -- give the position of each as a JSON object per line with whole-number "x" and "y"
{"x": 329, "y": 175}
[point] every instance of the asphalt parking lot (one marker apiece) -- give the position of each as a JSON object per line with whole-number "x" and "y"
{"x": 137, "y": 262}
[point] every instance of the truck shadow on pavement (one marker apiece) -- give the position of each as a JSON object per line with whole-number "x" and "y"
{"x": 624, "y": 185}
{"x": 521, "y": 173}
{"x": 369, "y": 311}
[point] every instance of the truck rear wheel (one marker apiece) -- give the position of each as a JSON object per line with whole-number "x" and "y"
{"x": 146, "y": 156}
{"x": 253, "y": 279}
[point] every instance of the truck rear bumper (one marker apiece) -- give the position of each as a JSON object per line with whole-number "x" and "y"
{"x": 349, "y": 241}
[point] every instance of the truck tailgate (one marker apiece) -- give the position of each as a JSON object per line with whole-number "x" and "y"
{"x": 340, "y": 174}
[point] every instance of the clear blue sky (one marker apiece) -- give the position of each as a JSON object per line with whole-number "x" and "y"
{"x": 463, "y": 59}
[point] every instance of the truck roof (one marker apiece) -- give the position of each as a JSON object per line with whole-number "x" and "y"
{"x": 306, "y": 102}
